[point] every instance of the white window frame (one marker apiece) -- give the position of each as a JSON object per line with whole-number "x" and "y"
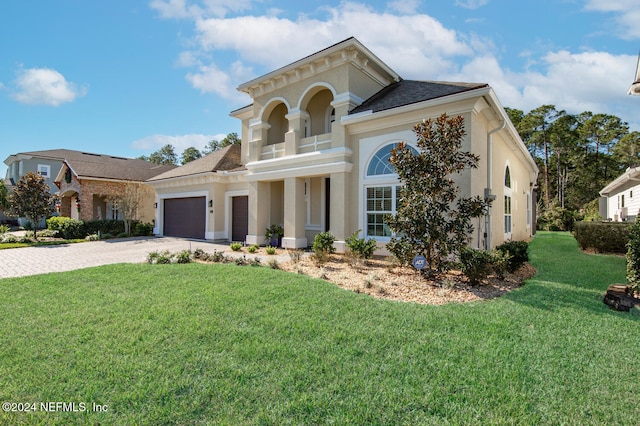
{"x": 395, "y": 188}
{"x": 528, "y": 209}
{"x": 508, "y": 203}
{"x": 46, "y": 168}
{"x": 369, "y": 147}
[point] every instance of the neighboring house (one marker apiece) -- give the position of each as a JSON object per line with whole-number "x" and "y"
{"x": 617, "y": 202}
{"x": 89, "y": 183}
{"x": 47, "y": 163}
{"x": 314, "y": 156}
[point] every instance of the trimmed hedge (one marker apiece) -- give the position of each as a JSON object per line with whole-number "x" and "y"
{"x": 74, "y": 228}
{"x": 603, "y": 237}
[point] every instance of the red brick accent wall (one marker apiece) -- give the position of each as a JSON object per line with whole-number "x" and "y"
{"x": 87, "y": 188}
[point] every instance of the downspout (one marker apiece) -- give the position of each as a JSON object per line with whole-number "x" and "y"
{"x": 488, "y": 196}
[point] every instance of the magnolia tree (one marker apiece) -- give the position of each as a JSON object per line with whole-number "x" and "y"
{"x": 431, "y": 219}
{"x": 31, "y": 198}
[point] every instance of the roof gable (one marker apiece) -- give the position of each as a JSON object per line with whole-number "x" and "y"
{"x": 407, "y": 92}
{"x": 225, "y": 159}
{"x": 99, "y": 166}
{"x": 347, "y": 51}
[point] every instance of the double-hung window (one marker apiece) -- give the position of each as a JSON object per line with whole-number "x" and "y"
{"x": 381, "y": 197}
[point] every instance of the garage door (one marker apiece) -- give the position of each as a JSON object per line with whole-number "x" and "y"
{"x": 185, "y": 217}
{"x": 240, "y": 218}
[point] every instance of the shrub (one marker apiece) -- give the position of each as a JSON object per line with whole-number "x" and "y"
{"x": 273, "y": 264}
{"x": 92, "y": 237}
{"x": 68, "y": 228}
{"x": 323, "y": 242}
{"x": 240, "y": 261}
{"x": 252, "y": 248}
{"x": 156, "y": 257}
{"x": 106, "y": 236}
{"x": 199, "y": 253}
{"x": 43, "y": 233}
{"x": 475, "y": 264}
{"x": 122, "y": 235}
{"x": 218, "y": 257}
{"x": 295, "y": 255}
{"x": 105, "y": 226}
{"x": 183, "y": 257}
{"x": 603, "y": 237}
{"x": 633, "y": 257}
{"x": 142, "y": 229}
{"x": 360, "y": 247}
{"x": 4, "y": 229}
{"x": 235, "y": 246}
{"x": 270, "y": 250}
{"x": 556, "y": 218}
{"x": 516, "y": 252}
{"x": 9, "y": 238}
{"x": 500, "y": 263}
{"x": 255, "y": 262}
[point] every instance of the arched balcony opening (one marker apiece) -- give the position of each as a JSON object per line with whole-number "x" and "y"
{"x": 279, "y": 124}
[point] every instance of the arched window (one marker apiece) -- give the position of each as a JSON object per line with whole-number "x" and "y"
{"x": 507, "y": 178}
{"x": 380, "y": 165}
{"x": 382, "y": 198}
{"x": 507, "y": 202}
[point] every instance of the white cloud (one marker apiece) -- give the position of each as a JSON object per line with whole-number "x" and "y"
{"x": 180, "y": 142}
{"x": 210, "y": 79}
{"x": 180, "y": 9}
{"x": 405, "y": 6}
{"x": 170, "y": 9}
{"x": 576, "y": 82}
{"x": 471, "y": 4}
{"x": 44, "y": 86}
{"x": 626, "y": 19}
{"x": 419, "y": 42}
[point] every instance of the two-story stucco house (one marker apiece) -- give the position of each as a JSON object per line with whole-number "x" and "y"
{"x": 314, "y": 156}
{"x": 47, "y": 163}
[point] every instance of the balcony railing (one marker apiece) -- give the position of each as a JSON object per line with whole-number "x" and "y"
{"x": 272, "y": 151}
{"x": 315, "y": 143}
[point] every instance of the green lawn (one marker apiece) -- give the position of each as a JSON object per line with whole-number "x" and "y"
{"x": 222, "y": 344}
{"x": 4, "y": 246}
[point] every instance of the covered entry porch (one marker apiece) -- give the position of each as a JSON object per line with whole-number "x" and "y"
{"x": 301, "y": 205}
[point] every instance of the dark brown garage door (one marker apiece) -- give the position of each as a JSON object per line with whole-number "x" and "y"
{"x": 239, "y": 218}
{"x": 185, "y": 217}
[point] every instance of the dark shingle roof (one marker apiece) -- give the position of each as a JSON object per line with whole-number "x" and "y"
{"x": 90, "y": 165}
{"x": 407, "y": 92}
{"x": 226, "y": 159}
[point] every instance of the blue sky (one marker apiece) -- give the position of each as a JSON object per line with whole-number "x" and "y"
{"x": 125, "y": 77}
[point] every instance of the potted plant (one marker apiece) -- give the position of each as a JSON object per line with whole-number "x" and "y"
{"x": 273, "y": 235}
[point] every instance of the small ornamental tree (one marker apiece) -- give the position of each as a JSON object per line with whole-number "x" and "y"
{"x": 128, "y": 203}
{"x": 431, "y": 219}
{"x": 31, "y": 198}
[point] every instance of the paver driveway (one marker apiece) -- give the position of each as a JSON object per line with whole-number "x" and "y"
{"x": 41, "y": 260}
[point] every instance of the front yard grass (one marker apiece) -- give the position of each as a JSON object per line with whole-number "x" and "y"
{"x": 222, "y": 344}
{"x": 40, "y": 243}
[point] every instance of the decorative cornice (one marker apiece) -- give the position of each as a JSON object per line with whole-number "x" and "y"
{"x": 349, "y": 51}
